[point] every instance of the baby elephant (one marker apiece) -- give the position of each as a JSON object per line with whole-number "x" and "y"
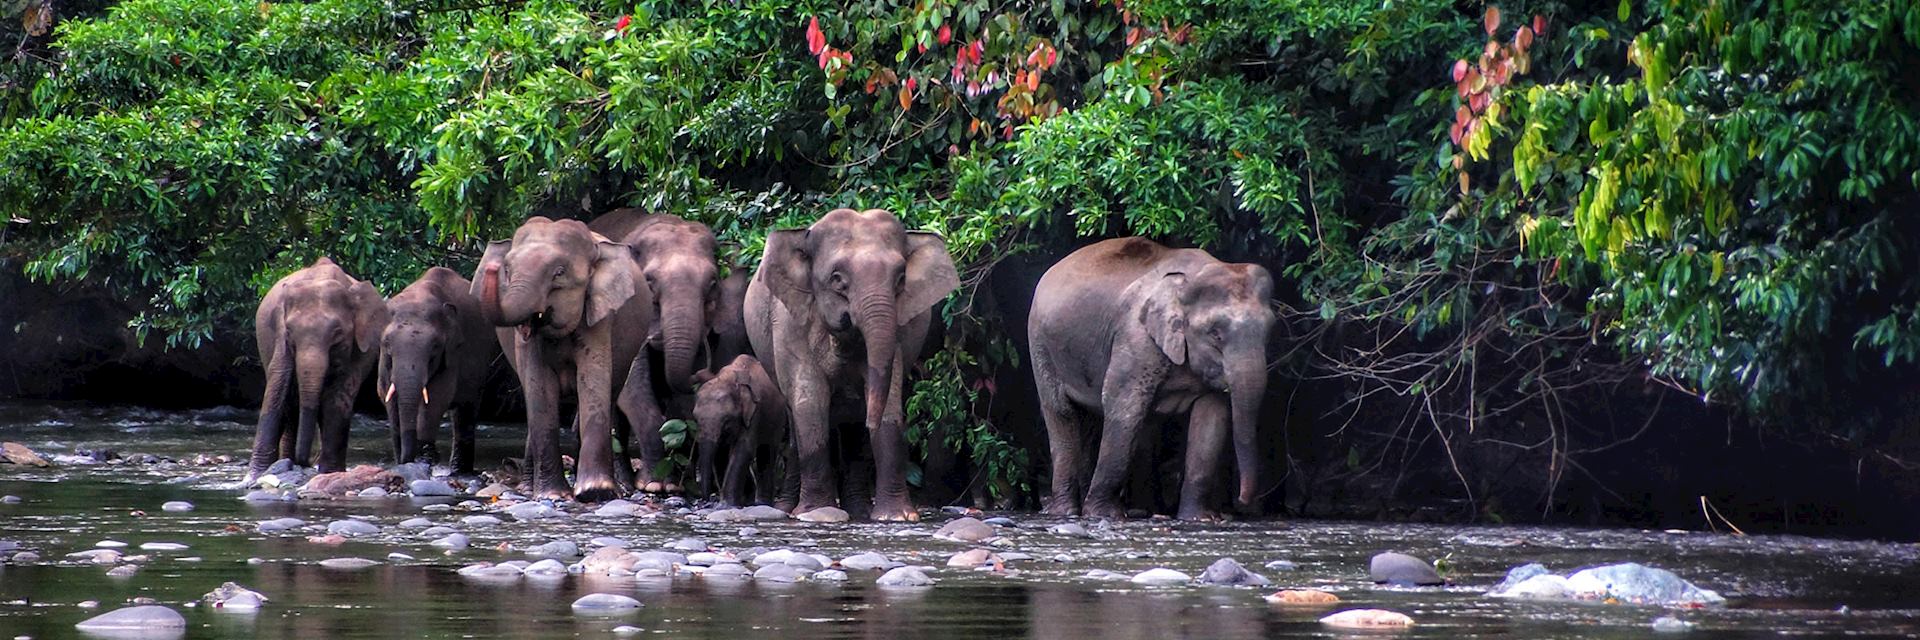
{"x": 740, "y": 409}
{"x": 434, "y": 355}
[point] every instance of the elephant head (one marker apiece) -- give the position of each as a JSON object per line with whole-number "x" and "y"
{"x": 1215, "y": 322}
{"x": 424, "y": 334}
{"x": 555, "y": 277}
{"x": 676, "y": 260}
{"x": 861, "y": 272}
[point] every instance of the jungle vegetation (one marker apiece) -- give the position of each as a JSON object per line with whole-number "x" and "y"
{"x": 1479, "y": 211}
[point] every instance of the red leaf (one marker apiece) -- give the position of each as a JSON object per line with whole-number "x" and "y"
{"x": 1459, "y": 70}
{"x": 906, "y": 96}
{"x": 1053, "y": 56}
{"x": 1033, "y": 81}
{"x": 1523, "y": 38}
{"x": 816, "y": 41}
{"x": 1493, "y": 19}
{"x": 911, "y": 85}
{"x": 1540, "y": 25}
{"x": 922, "y": 48}
{"x": 621, "y": 24}
{"x": 1454, "y": 132}
{"x": 945, "y": 35}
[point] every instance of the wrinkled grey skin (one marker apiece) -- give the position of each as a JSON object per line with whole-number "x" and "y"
{"x": 576, "y": 317}
{"x": 1127, "y": 332}
{"x": 318, "y": 330}
{"x": 729, "y": 319}
{"x": 434, "y": 355}
{"x": 743, "y": 421}
{"x": 676, "y": 259}
{"x": 836, "y": 312}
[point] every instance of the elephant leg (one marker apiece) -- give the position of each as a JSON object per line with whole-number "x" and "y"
{"x": 438, "y": 400}
{"x": 461, "y": 459}
{"x": 739, "y": 461}
{"x": 545, "y": 477}
{"x": 594, "y": 479}
{"x": 642, "y": 409}
{"x": 891, "y": 500}
{"x": 1066, "y": 438}
{"x": 856, "y": 470}
{"x": 789, "y": 475}
{"x": 809, "y": 400}
{"x": 289, "y": 433}
{"x": 269, "y": 432}
{"x": 1126, "y": 403}
{"x": 1207, "y": 437}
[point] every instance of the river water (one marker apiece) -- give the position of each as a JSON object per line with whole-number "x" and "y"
{"x": 1776, "y": 585}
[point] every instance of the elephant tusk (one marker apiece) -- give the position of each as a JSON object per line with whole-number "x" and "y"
{"x": 424, "y": 398}
{"x": 390, "y": 388}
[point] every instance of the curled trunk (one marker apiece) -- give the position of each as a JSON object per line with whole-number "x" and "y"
{"x": 490, "y": 295}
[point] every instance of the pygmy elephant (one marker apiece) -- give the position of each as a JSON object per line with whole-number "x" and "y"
{"x": 836, "y": 311}
{"x": 680, "y": 277}
{"x": 318, "y": 331}
{"x": 743, "y": 420}
{"x": 1126, "y": 331}
{"x": 578, "y": 319}
{"x": 434, "y": 356}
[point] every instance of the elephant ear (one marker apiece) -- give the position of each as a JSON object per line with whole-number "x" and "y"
{"x": 788, "y": 265}
{"x": 1165, "y": 319}
{"x": 612, "y": 284}
{"x": 749, "y": 403}
{"x": 369, "y": 316}
{"x": 930, "y": 274}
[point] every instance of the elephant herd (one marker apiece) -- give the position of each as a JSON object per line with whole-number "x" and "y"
{"x": 795, "y": 377}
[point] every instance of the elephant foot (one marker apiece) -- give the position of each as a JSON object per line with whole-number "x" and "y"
{"x": 1061, "y": 506}
{"x": 596, "y": 490}
{"x": 543, "y": 490}
{"x": 426, "y": 454}
{"x": 1110, "y": 511}
{"x": 1201, "y": 515}
{"x": 894, "y": 510}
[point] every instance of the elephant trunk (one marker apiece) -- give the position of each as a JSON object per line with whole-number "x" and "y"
{"x": 490, "y": 295}
{"x": 878, "y": 324}
{"x": 1247, "y": 387}
{"x": 408, "y": 394}
{"x": 310, "y": 368}
{"x": 682, "y": 329}
{"x": 705, "y": 474}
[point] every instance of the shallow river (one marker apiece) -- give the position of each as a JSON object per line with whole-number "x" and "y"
{"x": 1776, "y": 585}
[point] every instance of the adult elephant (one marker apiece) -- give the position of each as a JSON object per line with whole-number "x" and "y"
{"x": 434, "y": 355}
{"x": 577, "y": 319}
{"x": 835, "y": 312}
{"x": 318, "y": 330}
{"x": 1125, "y": 331}
{"x": 676, "y": 258}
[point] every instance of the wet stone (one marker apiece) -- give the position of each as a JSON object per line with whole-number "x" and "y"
{"x": 605, "y": 602}
{"x": 1368, "y": 619}
{"x": 555, "y": 549}
{"x": 688, "y": 545}
{"x": 973, "y": 558}
{"x": 966, "y": 530}
{"x": 616, "y": 509}
{"x": 805, "y": 562}
{"x": 415, "y": 523}
{"x": 777, "y": 556}
{"x": 492, "y": 490}
{"x": 436, "y": 531}
{"x": 162, "y": 546}
{"x": 231, "y": 590}
{"x": 279, "y": 524}
{"x": 763, "y": 512}
{"x": 627, "y": 630}
{"x": 268, "y": 495}
{"x": 123, "y": 571}
{"x": 1228, "y": 573}
{"x": 1403, "y": 570}
{"x": 1160, "y": 577}
{"x": 1000, "y": 522}
{"x": 373, "y": 492}
{"x": 96, "y": 556}
{"x": 548, "y": 567}
{"x": 352, "y": 528}
{"x": 824, "y": 515}
{"x": 728, "y": 571}
{"x": 348, "y": 564}
{"x": 748, "y": 532}
{"x": 868, "y": 561}
{"x": 453, "y": 541}
{"x": 141, "y": 618}
{"x": 1281, "y": 565}
{"x": 830, "y": 575}
{"x": 399, "y": 557}
{"x": 9, "y": 499}
{"x": 24, "y": 557}
{"x": 1545, "y": 586}
{"x": 1518, "y": 575}
{"x": 1670, "y": 624}
{"x": 904, "y": 577}
{"x": 708, "y": 559}
{"x": 778, "y": 573}
{"x": 437, "y": 508}
{"x": 609, "y": 541}
{"x": 176, "y": 505}
{"x": 1303, "y": 597}
{"x": 110, "y": 544}
{"x": 480, "y": 521}
{"x": 430, "y": 488}
{"x": 526, "y": 511}
{"x": 413, "y": 471}
{"x": 1640, "y": 584}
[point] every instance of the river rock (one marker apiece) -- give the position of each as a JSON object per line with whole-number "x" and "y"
{"x": 824, "y": 515}
{"x": 973, "y": 558}
{"x": 373, "y": 492}
{"x": 1403, "y": 570}
{"x": 351, "y": 481}
{"x": 1368, "y": 619}
{"x": 123, "y": 571}
{"x": 748, "y": 532}
{"x": 904, "y": 577}
{"x": 1074, "y": 529}
{"x": 528, "y": 511}
{"x": 779, "y": 573}
{"x": 162, "y": 546}
{"x": 352, "y": 528}
{"x": 1544, "y": 586}
{"x": 707, "y": 559}
{"x": 966, "y": 530}
{"x": 453, "y": 541}
{"x": 1518, "y": 575}
{"x": 24, "y": 557}
{"x": 492, "y": 490}
{"x": 1228, "y": 573}
{"x": 763, "y": 512}
{"x": 1639, "y": 584}
{"x": 829, "y": 575}
{"x": 268, "y": 495}
{"x": 1670, "y": 624}
{"x": 412, "y": 471}
{"x": 430, "y": 488}
{"x": 490, "y": 570}
{"x": 688, "y": 545}
{"x": 616, "y": 508}
{"x": 176, "y": 505}
{"x": 609, "y": 541}
{"x": 141, "y": 618}
{"x": 1305, "y": 597}
{"x": 605, "y": 602}
{"x": 662, "y": 561}
{"x": 728, "y": 570}
{"x": 555, "y": 549}
{"x": 607, "y": 560}
{"x": 9, "y": 499}
{"x": 805, "y": 562}
{"x": 19, "y": 454}
{"x": 348, "y": 564}
{"x": 279, "y": 524}
{"x": 1281, "y": 565}
{"x": 415, "y": 523}
{"x": 1160, "y": 577}
{"x": 627, "y": 630}
{"x": 545, "y": 567}
{"x": 480, "y": 521}
{"x": 228, "y": 593}
{"x": 1103, "y": 574}
{"x": 868, "y": 561}
{"x": 97, "y": 556}
{"x": 110, "y": 544}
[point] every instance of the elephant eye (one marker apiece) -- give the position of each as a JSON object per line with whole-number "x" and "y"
{"x": 838, "y": 281}
{"x": 1215, "y": 335}
{"x": 900, "y": 281}
{"x": 558, "y": 272}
